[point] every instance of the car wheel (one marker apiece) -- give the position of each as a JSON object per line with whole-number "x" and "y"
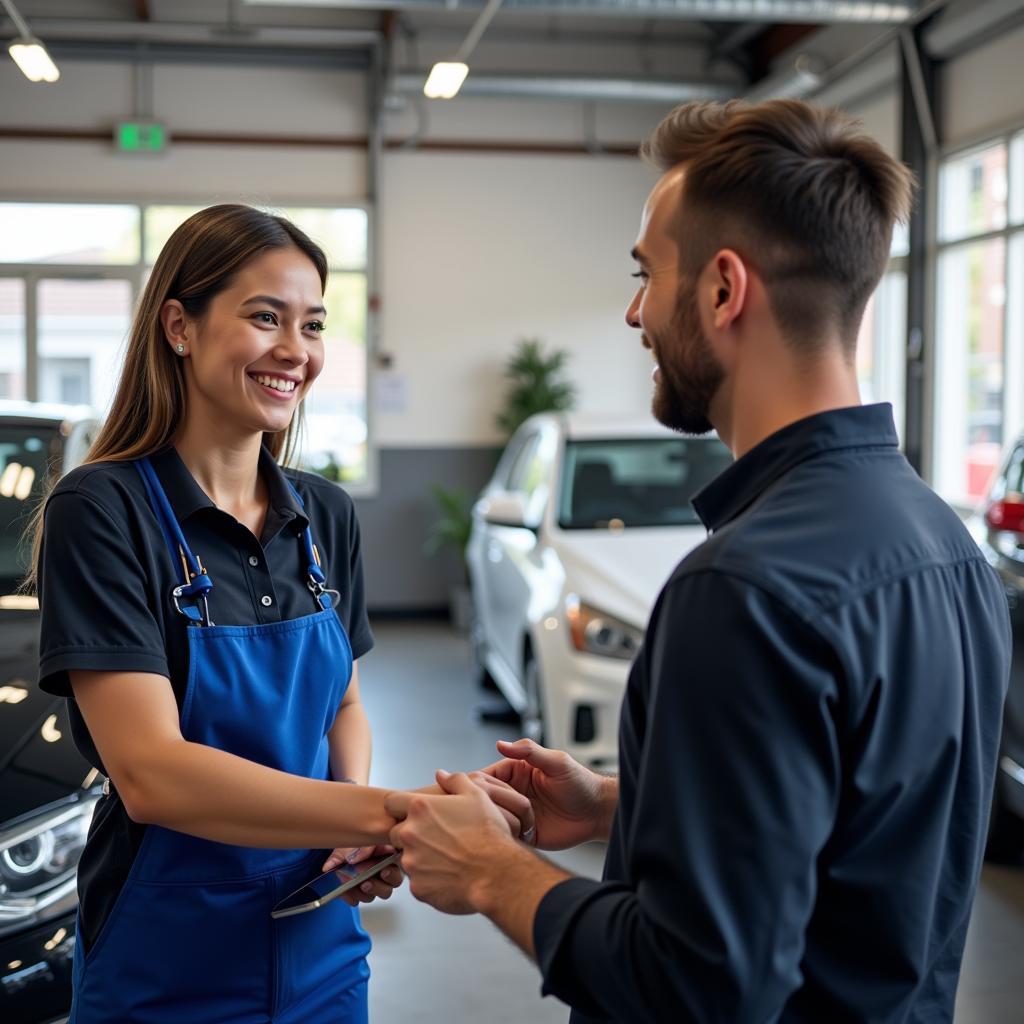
{"x": 531, "y": 718}
{"x": 1005, "y": 841}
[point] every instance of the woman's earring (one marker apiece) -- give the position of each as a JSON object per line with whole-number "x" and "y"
{"x": 181, "y": 349}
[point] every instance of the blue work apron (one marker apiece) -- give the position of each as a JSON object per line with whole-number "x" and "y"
{"x": 190, "y": 939}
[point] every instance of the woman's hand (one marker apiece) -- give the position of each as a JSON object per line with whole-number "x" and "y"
{"x": 515, "y": 807}
{"x": 380, "y": 886}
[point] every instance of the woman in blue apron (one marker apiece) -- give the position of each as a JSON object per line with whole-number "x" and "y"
{"x": 203, "y": 609}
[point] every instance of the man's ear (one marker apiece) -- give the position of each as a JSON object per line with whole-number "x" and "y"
{"x": 175, "y": 324}
{"x": 728, "y": 281}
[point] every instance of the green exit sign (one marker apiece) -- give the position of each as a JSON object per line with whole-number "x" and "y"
{"x": 140, "y": 137}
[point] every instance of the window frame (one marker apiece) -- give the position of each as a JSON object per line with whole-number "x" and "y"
{"x": 898, "y": 266}
{"x": 135, "y": 274}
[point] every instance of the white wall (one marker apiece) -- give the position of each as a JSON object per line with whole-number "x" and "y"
{"x": 477, "y": 250}
{"x": 880, "y": 116}
{"x": 94, "y": 96}
{"x": 481, "y": 250}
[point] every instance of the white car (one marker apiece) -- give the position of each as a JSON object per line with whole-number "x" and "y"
{"x": 581, "y": 524}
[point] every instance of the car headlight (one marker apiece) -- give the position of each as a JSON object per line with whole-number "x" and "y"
{"x": 596, "y": 632}
{"x": 38, "y": 859}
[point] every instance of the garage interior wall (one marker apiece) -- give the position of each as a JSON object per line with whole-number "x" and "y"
{"x": 478, "y": 249}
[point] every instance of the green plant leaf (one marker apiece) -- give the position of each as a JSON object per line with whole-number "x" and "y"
{"x": 536, "y": 384}
{"x": 454, "y": 522}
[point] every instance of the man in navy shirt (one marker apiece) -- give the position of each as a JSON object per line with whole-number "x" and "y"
{"x": 809, "y": 733}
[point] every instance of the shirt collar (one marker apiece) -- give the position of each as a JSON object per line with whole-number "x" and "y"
{"x": 862, "y": 426}
{"x": 187, "y": 497}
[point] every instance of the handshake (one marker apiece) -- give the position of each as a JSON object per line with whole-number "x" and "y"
{"x": 465, "y": 839}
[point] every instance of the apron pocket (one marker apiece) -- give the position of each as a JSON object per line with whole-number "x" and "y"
{"x": 324, "y": 950}
{"x": 175, "y": 953}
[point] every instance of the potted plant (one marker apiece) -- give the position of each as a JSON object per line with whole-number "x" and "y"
{"x": 536, "y": 384}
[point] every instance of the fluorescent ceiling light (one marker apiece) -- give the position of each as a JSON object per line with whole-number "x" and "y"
{"x": 36, "y": 65}
{"x": 445, "y": 80}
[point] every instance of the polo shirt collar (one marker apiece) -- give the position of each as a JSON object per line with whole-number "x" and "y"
{"x": 862, "y": 426}
{"x": 187, "y": 497}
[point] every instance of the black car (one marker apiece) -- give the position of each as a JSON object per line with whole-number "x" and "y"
{"x": 1000, "y": 532}
{"x": 47, "y": 790}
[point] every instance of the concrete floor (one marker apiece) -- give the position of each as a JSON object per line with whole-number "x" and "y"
{"x": 428, "y": 967}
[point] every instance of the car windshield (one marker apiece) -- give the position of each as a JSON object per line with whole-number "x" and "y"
{"x": 25, "y": 453}
{"x": 636, "y": 482}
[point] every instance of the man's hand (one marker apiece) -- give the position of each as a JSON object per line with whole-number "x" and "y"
{"x": 572, "y": 804}
{"x": 515, "y": 808}
{"x": 380, "y": 887}
{"x": 449, "y": 843}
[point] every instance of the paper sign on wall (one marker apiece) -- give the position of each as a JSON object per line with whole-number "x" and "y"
{"x": 392, "y": 392}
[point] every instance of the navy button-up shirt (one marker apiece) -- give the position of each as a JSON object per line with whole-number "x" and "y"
{"x": 807, "y": 750}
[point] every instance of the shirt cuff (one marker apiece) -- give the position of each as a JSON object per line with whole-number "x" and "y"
{"x": 54, "y": 668}
{"x": 554, "y": 928}
{"x": 361, "y": 643}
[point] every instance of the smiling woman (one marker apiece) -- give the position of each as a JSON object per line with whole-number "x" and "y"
{"x": 264, "y": 329}
{"x": 218, "y": 692}
{"x": 335, "y": 438}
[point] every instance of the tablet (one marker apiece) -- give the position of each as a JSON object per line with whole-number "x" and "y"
{"x": 331, "y": 884}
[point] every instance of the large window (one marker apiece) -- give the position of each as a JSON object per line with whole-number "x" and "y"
{"x": 12, "y": 338}
{"x": 70, "y": 274}
{"x": 881, "y": 345}
{"x": 979, "y": 387}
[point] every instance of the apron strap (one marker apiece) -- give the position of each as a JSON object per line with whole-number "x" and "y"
{"x": 198, "y": 584}
{"x": 191, "y": 598}
{"x": 317, "y": 581}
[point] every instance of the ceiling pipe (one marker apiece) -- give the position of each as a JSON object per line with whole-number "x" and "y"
{"x": 886, "y": 12}
{"x": 799, "y": 78}
{"x": 202, "y": 33}
{"x": 611, "y": 90}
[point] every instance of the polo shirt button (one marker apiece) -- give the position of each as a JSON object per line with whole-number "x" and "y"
{"x": 266, "y": 601}
{"x": 253, "y": 561}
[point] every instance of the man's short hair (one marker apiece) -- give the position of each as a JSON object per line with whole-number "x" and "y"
{"x": 802, "y": 193}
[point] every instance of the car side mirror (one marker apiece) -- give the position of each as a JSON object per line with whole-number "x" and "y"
{"x": 503, "y": 508}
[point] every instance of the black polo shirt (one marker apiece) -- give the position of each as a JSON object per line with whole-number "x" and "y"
{"x": 807, "y": 750}
{"x": 104, "y": 591}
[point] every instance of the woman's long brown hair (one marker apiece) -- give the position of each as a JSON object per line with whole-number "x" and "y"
{"x": 198, "y": 262}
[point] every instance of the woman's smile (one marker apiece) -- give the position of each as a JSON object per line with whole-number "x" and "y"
{"x": 277, "y": 386}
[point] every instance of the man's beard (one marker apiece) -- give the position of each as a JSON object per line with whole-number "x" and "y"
{"x": 688, "y": 373}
